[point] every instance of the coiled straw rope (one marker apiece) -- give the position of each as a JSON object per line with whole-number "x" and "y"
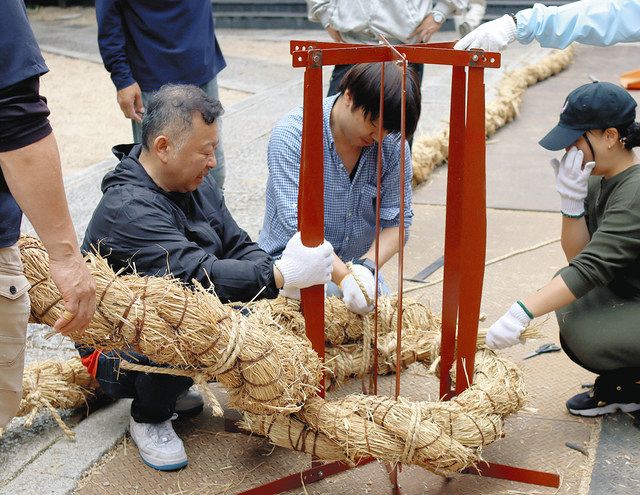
{"x": 274, "y": 374}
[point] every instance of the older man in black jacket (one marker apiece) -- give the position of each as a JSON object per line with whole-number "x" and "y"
{"x": 161, "y": 214}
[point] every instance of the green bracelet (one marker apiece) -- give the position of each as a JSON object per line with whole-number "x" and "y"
{"x": 525, "y": 309}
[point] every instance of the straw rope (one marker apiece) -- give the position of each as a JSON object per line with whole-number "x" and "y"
{"x": 430, "y": 151}
{"x": 419, "y": 345}
{"x": 275, "y": 370}
{"x": 341, "y": 325}
{"x": 54, "y": 385}
{"x": 191, "y": 330}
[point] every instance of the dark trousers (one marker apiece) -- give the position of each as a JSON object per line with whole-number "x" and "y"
{"x": 154, "y": 395}
{"x": 601, "y": 332}
{"x": 340, "y": 70}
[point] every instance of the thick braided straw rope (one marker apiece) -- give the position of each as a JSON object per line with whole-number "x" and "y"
{"x": 54, "y": 385}
{"x": 188, "y": 330}
{"x": 432, "y": 150}
{"x": 440, "y": 436}
{"x": 275, "y": 371}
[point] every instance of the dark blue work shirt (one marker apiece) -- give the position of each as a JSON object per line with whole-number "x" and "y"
{"x": 20, "y": 59}
{"x": 154, "y": 42}
{"x": 20, "y": 56}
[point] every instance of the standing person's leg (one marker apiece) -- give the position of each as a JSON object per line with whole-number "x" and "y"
{"x": 600, "y": 332}
{"x": 14, "y": 316}
{"x": 219, "y": 173}
{"x": 336, "y": 77}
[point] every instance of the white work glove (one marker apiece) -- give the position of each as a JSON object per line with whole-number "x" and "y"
{"x": 507, "y": 330}
{"x": 290, "y": 292}
{"x": 572, "y": 181}
{"x": 493, "y": 36}
{"x": 352, "y": 294}
{"x": 294, "y": 292}
{"x": 303, "y": 266}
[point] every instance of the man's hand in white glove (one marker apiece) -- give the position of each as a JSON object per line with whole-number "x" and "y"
{"x": 572, "y": 181}
{"x": 507, "y": 330}
{"x": 352, "y": 293}
{"x": 303, "y": 266}
{"x": 294, "y": 292}
{"x": 290, "y": 293}
{"x": 491, "y": 36}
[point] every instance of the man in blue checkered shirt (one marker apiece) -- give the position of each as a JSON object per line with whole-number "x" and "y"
{"x": 350, "y": 121}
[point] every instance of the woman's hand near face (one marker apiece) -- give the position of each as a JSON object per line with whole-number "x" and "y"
{"x": 572, "y": 181}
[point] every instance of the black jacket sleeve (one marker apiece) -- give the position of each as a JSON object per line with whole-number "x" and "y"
{"x": 146, "y": 234}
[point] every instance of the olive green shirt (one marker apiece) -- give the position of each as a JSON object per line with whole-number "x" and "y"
{"x": 612, "y": 256}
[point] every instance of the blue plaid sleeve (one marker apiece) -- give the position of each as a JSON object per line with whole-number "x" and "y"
{"x": 281, "y": 211}
{"x": 390, "y": 207}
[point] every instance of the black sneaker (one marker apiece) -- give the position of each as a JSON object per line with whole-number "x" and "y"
{"x": 606, "y": 397}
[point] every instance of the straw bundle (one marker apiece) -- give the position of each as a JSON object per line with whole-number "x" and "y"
{"x": 419, "y": 345}
{"x": 289, "y": 432}
{"x": 430, "y": 151}
{"x": 341, "y": 325}
{"x": 268, "y": 369}
{"x": 54, "y": 385}
{"x": 440, "y": 436}
{"x": 368, "y": 426}
{"x": 265, "y": 370}
{"x": 514, "y": 84}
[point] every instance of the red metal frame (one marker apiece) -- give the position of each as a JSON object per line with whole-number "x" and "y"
{"x": 465, "y": 219}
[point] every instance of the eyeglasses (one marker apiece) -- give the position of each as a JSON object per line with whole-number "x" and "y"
{"x": 586, "y": 138}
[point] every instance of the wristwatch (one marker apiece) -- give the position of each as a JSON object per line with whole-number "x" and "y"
{"x": 367, "y": 263}
{"x": 438, "y": 16}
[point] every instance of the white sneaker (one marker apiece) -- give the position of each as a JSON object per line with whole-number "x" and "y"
{"x": 189, "y": 403}
{"x": 158, "y": 444}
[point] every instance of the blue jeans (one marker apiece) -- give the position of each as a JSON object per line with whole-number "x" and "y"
{"x": 334, "y": 290}
{"x": 211, "y": 88}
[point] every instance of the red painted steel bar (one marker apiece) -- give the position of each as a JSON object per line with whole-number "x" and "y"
{"x": 380, "y": 53}
{"x": 466, "y": 215}
{"x": 306, "y": 477}
{"x": 474, "y": 227}
{"x": 297, "y": 45}
{"x": 373, "y": 381}
{"x": 511, "y": 473}
{"x": 401, "y": 236}
{"x": 453, "y": 234}
{"x": 311, "y": 197}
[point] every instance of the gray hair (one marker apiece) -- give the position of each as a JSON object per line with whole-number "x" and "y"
{"x": 170, "y": 111}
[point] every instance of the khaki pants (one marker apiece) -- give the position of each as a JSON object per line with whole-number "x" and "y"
{"x": 14, "y": 316}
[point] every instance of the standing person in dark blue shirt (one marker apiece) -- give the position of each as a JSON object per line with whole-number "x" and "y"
{"x": 31, "y": 181}
{"x": 145, "y": 44}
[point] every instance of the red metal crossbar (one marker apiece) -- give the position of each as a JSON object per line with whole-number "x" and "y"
{"x": 465, "y": 220}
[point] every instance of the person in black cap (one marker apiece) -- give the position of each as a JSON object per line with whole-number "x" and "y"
{"x": 597, "y": 296}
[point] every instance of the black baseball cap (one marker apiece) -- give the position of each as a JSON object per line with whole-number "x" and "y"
{"x": 597, "y": 105}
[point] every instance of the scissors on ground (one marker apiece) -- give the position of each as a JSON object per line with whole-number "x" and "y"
{"x": 542, "y": 349}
